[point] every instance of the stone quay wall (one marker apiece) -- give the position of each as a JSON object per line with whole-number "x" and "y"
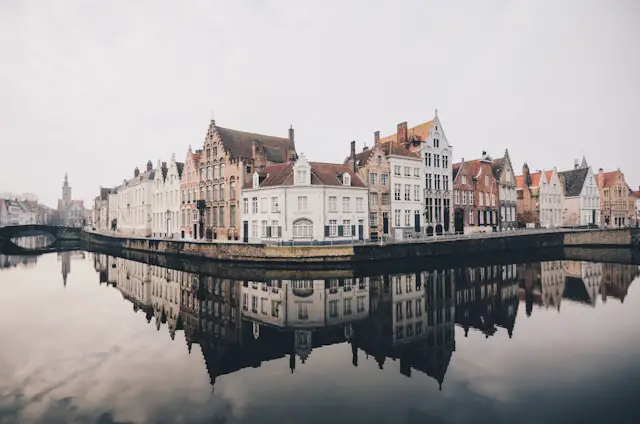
{"x": 284, "y": 255}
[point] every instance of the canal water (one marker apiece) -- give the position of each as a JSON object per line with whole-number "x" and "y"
{"x": 91, "y": 338}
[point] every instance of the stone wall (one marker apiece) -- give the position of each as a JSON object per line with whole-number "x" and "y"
{"x": 598, "y": 238}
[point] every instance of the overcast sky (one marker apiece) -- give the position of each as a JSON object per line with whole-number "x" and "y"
{"x": 96, "y": 88}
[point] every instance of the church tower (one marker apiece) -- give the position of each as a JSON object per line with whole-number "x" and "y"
{"x": 66, "y": 192}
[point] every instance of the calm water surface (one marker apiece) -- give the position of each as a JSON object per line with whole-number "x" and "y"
{"x": 91, "y": 338}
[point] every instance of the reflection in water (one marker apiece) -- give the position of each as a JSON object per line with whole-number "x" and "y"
{"x": 405, "y": 317}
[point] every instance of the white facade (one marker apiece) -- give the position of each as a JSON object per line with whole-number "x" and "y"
{"x": 165, "y": 220}
{"x": 551, "y": 199}
{"x": 304, "y": 211}
{"x": 437, "y": 156}
{"x": 135, "y": 199}
{"x": 583, "y": 209}
{"x": 113, "y": 204}
{"x": 17, "y": 213}
{"x": 406, "y": 191}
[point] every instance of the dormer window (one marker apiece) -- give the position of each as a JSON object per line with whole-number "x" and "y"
{"x": 346, "y": 179}
{"x": 256, "y": 180}
{"x": 302, "y": 176}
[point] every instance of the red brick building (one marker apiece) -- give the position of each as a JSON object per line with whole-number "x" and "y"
{"x": 475, "y": 195}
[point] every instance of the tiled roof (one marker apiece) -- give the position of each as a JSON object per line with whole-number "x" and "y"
{"x": 548, "y": 174}
{"x": 636, "y": 194}
{"x": 397, "y": 150}
{"x": 420, "y": 132}
{"x": 573, "y": 181}
{"x": 497, "y": 165}
{"x": 321, "y": 174}
{"x": 238, "y": 144}
{"x": 180, "y": 167}
{"x": 535, "y": 180}
{"x": 606, "y": 179}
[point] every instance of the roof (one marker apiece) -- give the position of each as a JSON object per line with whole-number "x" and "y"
{"x": 180, "y": 166}
{"x": 104, "y": 193}
{"x": 239, "y": 144}
{"x": 420, "y": 132}
{"x": 397, "y": 150}
{"x": 321, "y": 174}
{"x": 361, "y": 158}
{"x": 606, "y": 179}
{"x": 636, "y": 193}
{"x": 548, "y": 175}
{"x": 573, "y": 181}
{"x": 474, "y": 165}
{"x": 535, "y": 180}
{"x": 497, "y": 165}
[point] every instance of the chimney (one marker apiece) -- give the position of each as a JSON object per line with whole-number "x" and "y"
{"x": 402, "y": 134}
{"x": 376, "y": 138}
{"x": 526, "y": 175}
{"x": 136, "y": 172}
{"x": 575, "y": 164}
{"x": 353, "y": 156}
{"x": 484, "y": 153}
{"x": 600, "y": 171}
{"x": 149, "y": 166}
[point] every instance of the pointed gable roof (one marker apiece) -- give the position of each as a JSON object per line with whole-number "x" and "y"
{"x": 239, "y": 144}
{"x": 535, "y": 180}
{"x": 573, "y": 181}
{"x": 419, "y": 132}
{"x": 398, "y": 150}
{"x": 606, "y": 179}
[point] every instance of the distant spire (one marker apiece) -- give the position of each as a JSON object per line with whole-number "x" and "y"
{"x": 584, "y": 163}
{"x": 436, "y": 113}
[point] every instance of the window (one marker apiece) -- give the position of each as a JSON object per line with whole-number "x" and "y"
{"x": 360, "y": 305}
{"x": 302, "y": 203}
{"x": 427, "y": 159}
{"x": 303, "y": 311}
{"x": 274, "y": 228}
{"x": 445, "y": 182}
{"x": 416, "y": 172}
{"x": 396, "y": 191}
{"x": 418, "y": 307}
{"x": 436, "y": 142}
{"x": 346, "y": 179}
{"x": 221, "y": 216}
{"x": 373, "y": 219}
{"x": 457, "y": 197}
{"x": 221, "y": 191}
{"x": 254, "y": 304}
{"x": 347, "y": 306}
{"x": 396, "y": 170}
{"x": 436, "y": 161}
{"x": 346, "y": 204}
{"x": 264, "y": 226}
{"x": 263, "y": 205}
{"x": 407, "y": 192}
{"x": 245, "y": 206}
{"x": 493, "y": 199}
{"x": 480, "y": 199}
{"x": 302, "y": 228}
{"x": 232, "y": 188}
{"x": 385, "y": 199}
{"x": 416, "y": 193}
{"x": 384, "y": 179}
{"x": 409, "y": 309}
{"x": 486, "y": 199}
{"x": 274, "y": 204}
{"x": 486, "y": 181}
{"x": 373, "y": 178}
{"x": 333, "y": 204}
{"x": 428, "y": 181}
{"x": 464, "y": 179}
{"x": 373, "y": 199}
{"x": 407, "y": 171}
{"x": 333, "y": 309}
{"x": 437, "y": 181}
{"x": 470, "y": 197}
{"x": 398, "y": 311}
{"x": 275, "y": 308}
{"x": 407, "y": 217}
{"x": 232, "y": 215}
{"x": 254, "y": 205}
{"x": 445, "y": 161}
{"x": 359, "y": 204}
{"x": 396, "y": 217}
{"x": 346, "y": 224}
{"x": 333, "y": 228}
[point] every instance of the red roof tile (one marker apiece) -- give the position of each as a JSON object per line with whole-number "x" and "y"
{"x": 397, "y": 150}
{"x": 606, "y": 179}
{"x": 535, "y": 180}
{"x": 321, "y": 174}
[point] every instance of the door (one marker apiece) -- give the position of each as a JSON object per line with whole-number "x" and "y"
{"x": 459, "y": 221}
{"x": 195, "y": 231}
{"x": 245, "y": 231}
{"x": 593, "y": 216}
{"x": 360, "y": 229}
{"x": 385, "y": 224}
{"x": 447, "y": 219}
{"x": 416, "y": 223}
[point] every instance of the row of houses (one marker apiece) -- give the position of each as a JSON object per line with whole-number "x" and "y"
{"x": 243, "y": 186}
{"x": 23, "y": 212}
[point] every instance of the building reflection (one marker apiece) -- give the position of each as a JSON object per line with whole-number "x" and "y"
{"x": 406, "y": 318}
{"x": 65, "y": 263}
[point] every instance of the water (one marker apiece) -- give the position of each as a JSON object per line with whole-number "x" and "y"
{"x": 91, "y": 338}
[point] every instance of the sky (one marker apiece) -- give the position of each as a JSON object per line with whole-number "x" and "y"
{"x": 95, "y": 88}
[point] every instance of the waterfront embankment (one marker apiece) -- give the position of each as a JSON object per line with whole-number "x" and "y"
{"x": 522, "y": 241}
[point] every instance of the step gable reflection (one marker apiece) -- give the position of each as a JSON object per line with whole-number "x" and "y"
{"x": 408, "y": 317}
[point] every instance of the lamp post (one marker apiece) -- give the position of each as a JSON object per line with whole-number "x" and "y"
{"x": 168, "y": 218}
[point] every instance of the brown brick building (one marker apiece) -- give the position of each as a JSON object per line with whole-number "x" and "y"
{"x": 229, "y": 157}
{"x": 617, "y": 202}
{"x": 475, "y": 195}
{"x": 372, "y": 167}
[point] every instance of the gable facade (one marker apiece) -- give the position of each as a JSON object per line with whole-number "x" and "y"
{"x": 507, "y": 196}
{"x": 617, "y": 203}
{"x": 190, "y": 194}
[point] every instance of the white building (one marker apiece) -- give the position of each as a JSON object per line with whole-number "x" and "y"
{"x": 14, "y": 212}
{"x": 407, "y": 185}
{"x": 551, "y": 199}
{"x": 507, "y": 195}
{"x": 436, "y": 153}
{"x": 166, "y": 199}
{"x": 581, "y": 204}
{"x": 135, "y": 198}
{"x": 305, "y": 201}
{"x": 100, "y": 218}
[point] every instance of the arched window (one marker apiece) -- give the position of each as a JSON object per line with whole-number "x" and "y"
{"x": 215, "y": 193}
{"x": 222, "y": 170}
{"x": 302, "y": 228}
{"x": 232, "y": 188}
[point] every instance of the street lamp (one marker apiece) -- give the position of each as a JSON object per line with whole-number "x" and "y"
{"x": 168, "y": 218}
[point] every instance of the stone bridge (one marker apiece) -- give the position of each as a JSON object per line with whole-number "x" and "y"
{"x": 59, "y": 233}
